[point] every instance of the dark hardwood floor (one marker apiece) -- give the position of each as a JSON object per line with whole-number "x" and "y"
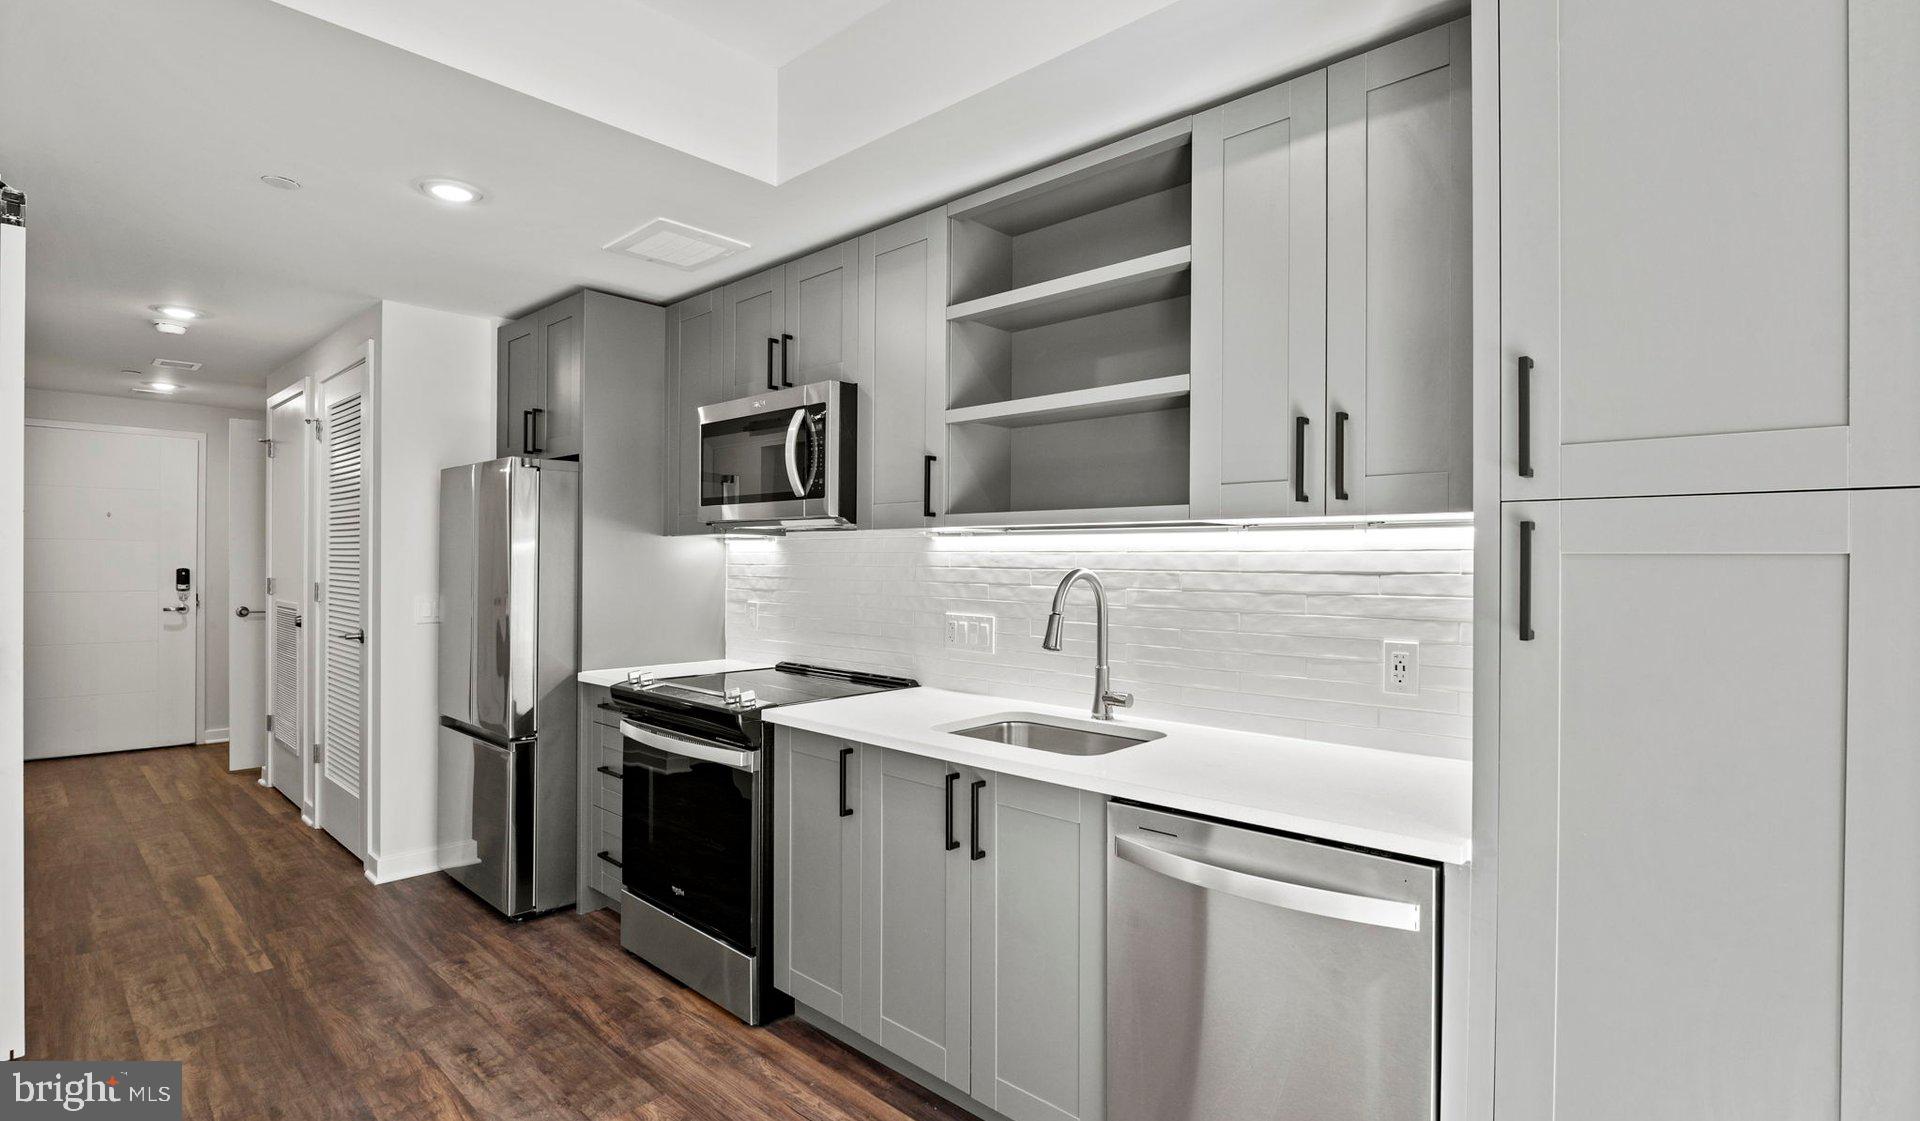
{"x": 176, "y": 911}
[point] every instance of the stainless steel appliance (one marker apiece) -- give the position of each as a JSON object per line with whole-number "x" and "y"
{"x": 697, "y": 806}
{"x": 783, "y": 457}
{"x": 1251, "y": 974}
{"x": 509, "y": 582}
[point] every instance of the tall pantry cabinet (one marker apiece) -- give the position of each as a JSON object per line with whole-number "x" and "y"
{"x": 1707, "y": 855}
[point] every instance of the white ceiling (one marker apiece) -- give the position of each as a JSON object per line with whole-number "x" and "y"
{"x": 139, "y": 132}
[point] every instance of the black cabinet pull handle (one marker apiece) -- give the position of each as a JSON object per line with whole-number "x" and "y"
{"x": 526, "y": 430}
{"x": 1340, "y": 456}
{"x": 533, "y": 430}
{"x": 608, "y": 857}
{"x": 786, "y": 342}
{"x": 953, "y": 842}
{"x": 979, "y": 853}
{"x": 773, "y": 344}
{"x": 1300, "y": 459}
{"x": 1523, "y": 409}
{"x": 608, "y": 771}
{"x": 845, "y": 754}
{"x": 926, "y": 487}
{"x": 1526, "y": 581}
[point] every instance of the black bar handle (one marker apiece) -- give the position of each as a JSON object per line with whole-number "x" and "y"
{"x": 786, "y": 343}
{"x": 953, "y": 842}
{"x": 608, "y": 857}
{"x": 608, "y": 771}
{"x": 533, "y": 416}
{"x": 845, "y": 754}
{"x": 1299, "y": 459}
{"x": 1526, "y": 581}
{"x": 773, "y": 344}
{"x": 1340, "y": 456}
{"x": 1523, "y": 410}
{"x": 926, "y": 487}
{"x": 979, "y": 853}
{"x": 526, "y": 430}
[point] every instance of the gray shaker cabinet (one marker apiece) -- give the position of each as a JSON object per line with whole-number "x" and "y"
{"x": 903, "y": 356}
{"x": 753, "y": 316}
{"x": 816, "y": 822}
{"x": 541, "y": 380}
{"x": 693, "y": 380}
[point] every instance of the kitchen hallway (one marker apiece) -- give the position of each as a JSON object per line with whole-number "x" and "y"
{"x": 177, "y": 911}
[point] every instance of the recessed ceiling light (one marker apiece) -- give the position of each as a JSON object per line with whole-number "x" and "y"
{"x": 169, "y": 327}
{"x": 450, "y": 190}
{"x": 281, "y": 182}
{"x": 178, "y": 311}
{"x": 163, "y": 387}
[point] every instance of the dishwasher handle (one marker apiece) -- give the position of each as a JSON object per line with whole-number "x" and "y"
{"x": 1340, "y": 905}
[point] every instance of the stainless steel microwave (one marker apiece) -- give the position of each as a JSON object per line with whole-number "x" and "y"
{"x": 783, "y": 457}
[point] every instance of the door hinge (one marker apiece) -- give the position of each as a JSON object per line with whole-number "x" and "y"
{"x": 269, "y": 585}
{"x": 315, "y": 422}
{"x": 269, "y": 721}
{"x": 319, "y": 750}
{"x": 319, "y": 592}
{"x": 268, "y": 441}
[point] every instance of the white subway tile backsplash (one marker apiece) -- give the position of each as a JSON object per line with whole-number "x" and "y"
{"x": 1269, "y": 632}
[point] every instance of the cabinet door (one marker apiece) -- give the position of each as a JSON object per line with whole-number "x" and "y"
{"x": 903, "y": 339}
{"x": 1399, "y": 278}
{"x": 1709, "y": 236}
{"x": 693, "y": 380}
{"x": 1260, "y": 303}
{"x": 822, "y": 336}
{"x": 753, "y": 315}
{"x": 521, "y": 383}
{"x": 1038, "y": 950}
{"x": 1709, "y": 868}
{"x": 913, "y": 912}
{"x": 816, "y": 888}
{"x": 563, "y": 363}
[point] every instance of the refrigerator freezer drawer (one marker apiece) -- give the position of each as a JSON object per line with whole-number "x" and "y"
{"x": 507, "y": 816}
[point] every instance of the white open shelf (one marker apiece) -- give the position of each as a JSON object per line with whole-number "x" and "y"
{"x": 1080, "y": 404}
{"x": 1141, "y": 280}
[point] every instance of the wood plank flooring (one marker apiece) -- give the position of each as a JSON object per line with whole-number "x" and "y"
{"x": 176, "y": 911}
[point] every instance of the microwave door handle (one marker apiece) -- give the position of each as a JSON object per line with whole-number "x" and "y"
{"x": 793, "y": 446}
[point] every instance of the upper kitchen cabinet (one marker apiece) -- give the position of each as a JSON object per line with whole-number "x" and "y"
{"x": 903, "y": 353}
{"x": 541, "y": 378}
{"x": 1260, "y": 303}
{"x": 1399, "y": 278}
{"x": 1710, "y": 247}
{"x": 1706, "y": 721}
{"x": 1068, "y": 363}
{"x": 694, "y": 379}
{"x": 792, "y": 324}
{"x": 753, "y": 316}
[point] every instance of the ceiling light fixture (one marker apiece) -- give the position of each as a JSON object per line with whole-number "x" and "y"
{"x": 177, "y": 311}
{"x": 450, "y": 190}
{"x": 163, "y": 387}
{"x": 169, "y": 327}
{"x": 281, "y": 182}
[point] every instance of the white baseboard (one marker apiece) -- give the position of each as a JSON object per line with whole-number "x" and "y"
{"x": 216, "y": 735}
{"x": 406, "y": 865}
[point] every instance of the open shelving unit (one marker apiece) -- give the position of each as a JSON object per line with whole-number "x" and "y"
{"x": 1068, "y": 332}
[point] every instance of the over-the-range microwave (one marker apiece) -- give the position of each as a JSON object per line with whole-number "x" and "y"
{"x": 784, "y": 457}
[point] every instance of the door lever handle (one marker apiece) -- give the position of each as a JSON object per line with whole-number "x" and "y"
{"x": 359, "y": 636}
{"x": 181, "y": 609}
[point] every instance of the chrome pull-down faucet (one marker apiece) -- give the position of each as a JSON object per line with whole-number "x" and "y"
{"x": 1104, "y": 698}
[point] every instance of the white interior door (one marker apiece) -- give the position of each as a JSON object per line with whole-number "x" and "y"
{"x": 112, "y": 649}
{"x": 246, "y": 577}
{"x": 286, "y": 602}
{"x": 343, "y": 609}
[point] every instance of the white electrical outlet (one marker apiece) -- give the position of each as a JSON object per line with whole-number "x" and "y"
{"x": 970, "y": 632}
{"x": 1403, "y": 668}
{"x": 753, "y": 614}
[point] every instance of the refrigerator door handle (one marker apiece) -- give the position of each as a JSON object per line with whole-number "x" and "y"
{"x": 1274, "y": 893}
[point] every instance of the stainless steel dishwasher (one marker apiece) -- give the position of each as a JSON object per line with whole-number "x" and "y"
{"x": 1257, "y": 977}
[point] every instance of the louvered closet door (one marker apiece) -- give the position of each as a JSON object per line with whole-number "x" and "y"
{"x": 287, "y": 578}
{"x": 343, "y": 604}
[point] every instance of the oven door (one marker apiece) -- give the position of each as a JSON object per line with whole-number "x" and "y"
{"x": 782, "y": 455}
{"x": 690, "y": 839}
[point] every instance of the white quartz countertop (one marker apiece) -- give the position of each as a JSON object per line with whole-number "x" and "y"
{"x": 1413, "y": 805}
{"x": 667, "y": 669}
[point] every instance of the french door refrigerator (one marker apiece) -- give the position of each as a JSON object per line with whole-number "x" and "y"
{"x": 509, "y": 581}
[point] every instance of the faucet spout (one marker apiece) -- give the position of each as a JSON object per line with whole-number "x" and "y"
{"x": 1104, "y": 698}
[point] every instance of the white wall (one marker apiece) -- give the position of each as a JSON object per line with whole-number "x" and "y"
{"x": 13, "y": 503}
{"x": 216, "y": 611}
{"x": 1276, "y": 631}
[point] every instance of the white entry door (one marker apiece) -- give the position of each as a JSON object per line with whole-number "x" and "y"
{"x": 286, "y": 602}
{"x": 343, "y": 608}
{"x": 112, "y": 648}
{"x": 246, "y": 579}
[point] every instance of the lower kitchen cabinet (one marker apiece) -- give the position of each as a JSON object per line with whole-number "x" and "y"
{"x": 952, "y": 917}
{"x": 1707, "y": 905}
{"x": 599, "y": 812}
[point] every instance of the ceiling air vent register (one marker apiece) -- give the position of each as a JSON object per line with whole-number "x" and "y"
{"x": 668, "y": 242}
{"x": 174, "y": 364}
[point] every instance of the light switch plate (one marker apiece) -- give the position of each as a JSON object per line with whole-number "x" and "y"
{"x": 1402, "y": 672}
{"x": 426, "y": 609}
{"x": 970, "y": 632}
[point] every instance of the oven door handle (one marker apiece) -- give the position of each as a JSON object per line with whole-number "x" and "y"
{"x": 792, "y": 456}
{"x": 748, "y": 761}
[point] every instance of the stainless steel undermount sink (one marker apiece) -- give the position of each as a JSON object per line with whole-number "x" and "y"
{"x": 1057, "y": 734}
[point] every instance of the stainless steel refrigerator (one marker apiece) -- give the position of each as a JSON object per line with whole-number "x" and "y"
{"x": 509, "y": 641}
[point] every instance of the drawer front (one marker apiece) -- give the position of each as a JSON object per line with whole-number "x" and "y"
{"x": 605, "y": 878}
{"x": 606, "y": 789}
